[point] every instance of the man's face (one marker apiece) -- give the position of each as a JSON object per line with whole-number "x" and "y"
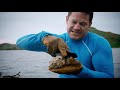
{"x": 77, "y": 25}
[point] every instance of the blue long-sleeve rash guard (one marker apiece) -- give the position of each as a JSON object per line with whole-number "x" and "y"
{"x": 93, "y": 51}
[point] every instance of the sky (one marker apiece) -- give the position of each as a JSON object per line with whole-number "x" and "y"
{"x": 14, "y": 25}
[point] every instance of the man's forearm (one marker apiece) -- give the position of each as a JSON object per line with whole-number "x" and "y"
{"x": 33, "y": 42}
{"x": 87, "y": 73}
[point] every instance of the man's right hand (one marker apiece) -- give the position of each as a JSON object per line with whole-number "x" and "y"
{"x": 55, "y": 45}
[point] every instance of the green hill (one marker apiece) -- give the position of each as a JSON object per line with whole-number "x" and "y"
{"x": 114, "y": 39}
{"x": 8, "y": 46}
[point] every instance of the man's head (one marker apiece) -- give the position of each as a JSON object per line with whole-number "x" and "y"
{"x": 78, "y": 24}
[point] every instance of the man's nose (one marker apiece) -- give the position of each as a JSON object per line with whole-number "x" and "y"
{"x": 77, "y": 26}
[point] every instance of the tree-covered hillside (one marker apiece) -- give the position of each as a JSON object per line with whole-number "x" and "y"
{"x": 8, "y": 46}
{"x": 114, "y": 39}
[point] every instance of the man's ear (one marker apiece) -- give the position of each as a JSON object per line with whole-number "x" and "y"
{"x": 67, "y": 19}
{"x": 90, "y": 24}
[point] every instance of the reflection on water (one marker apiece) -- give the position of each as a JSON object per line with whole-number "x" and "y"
{"x": 35, "y": 64}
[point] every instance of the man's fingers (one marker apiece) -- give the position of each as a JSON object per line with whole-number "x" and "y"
{"x": 55, "y": 45}
{"x": 63, "y": 52}
{"x": 62, "y": 47}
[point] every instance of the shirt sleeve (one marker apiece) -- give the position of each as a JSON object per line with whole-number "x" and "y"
{"x": 33, "y": 42}
{"x": 102, "y": 61}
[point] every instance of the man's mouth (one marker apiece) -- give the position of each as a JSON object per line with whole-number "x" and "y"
{"x": 76, "y": 32}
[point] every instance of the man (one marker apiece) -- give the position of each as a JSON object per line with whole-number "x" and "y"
{"x": 93, "y": 51}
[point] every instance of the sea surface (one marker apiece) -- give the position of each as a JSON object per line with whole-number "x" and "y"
{"x": 30, "y": 64}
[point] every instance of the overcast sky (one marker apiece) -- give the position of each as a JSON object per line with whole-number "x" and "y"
{"x": 14, "y": 25}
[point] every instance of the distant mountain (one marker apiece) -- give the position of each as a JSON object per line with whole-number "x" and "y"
{"x": 8, "y": 46}
{"x": 114, "y": 39}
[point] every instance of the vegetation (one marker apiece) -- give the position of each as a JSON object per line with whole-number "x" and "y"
{"x": 8, "y": 46}
{"x": 114, "y": 40}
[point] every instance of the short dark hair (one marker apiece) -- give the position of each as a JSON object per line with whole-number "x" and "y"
{"x": 89, "y": 13}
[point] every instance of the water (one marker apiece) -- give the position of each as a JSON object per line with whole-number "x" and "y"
{"x": 116, "y": 61}
{"x": 29, "y": 64}
{"x": 35, "y": 64}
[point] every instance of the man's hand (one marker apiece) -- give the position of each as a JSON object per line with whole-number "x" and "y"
{"x": 75, "y": 65}
{"x": 55, "y": 45}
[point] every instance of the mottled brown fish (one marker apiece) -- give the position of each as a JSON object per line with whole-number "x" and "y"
{"x": 62, "y": 65}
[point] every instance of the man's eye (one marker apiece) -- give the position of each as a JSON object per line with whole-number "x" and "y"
{"x": 82, "y": 24}
{"x": 74, "y": 22}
